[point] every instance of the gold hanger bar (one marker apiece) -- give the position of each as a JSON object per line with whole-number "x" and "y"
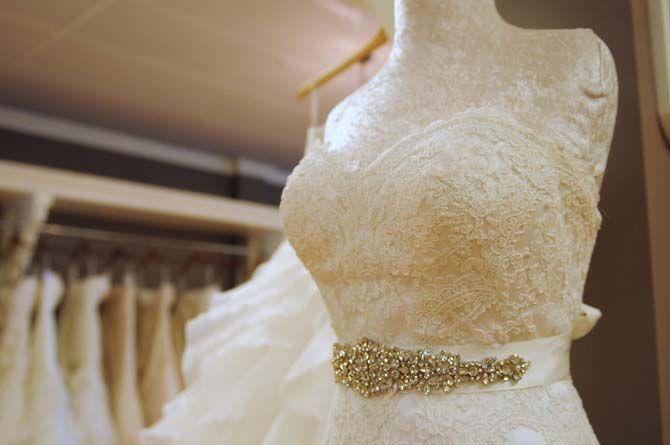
{"x": 378, "y": 40}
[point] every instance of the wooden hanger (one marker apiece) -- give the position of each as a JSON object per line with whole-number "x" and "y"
{"x": 362, "y": 54}
{"x": 119, "y": 264}
{"x": 153, "y": 266}
{"x": 195, "y": 259}
{"x": 76, "y": 264}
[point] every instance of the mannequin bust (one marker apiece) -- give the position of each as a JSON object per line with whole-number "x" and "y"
{"x": 451, "y": 55}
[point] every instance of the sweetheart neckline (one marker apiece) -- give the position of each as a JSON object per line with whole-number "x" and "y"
{"x": 483, "y": 113}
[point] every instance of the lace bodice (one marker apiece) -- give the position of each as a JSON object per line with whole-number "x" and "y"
{"x": 444, "y": 208}
{"x": 476, "y": 229}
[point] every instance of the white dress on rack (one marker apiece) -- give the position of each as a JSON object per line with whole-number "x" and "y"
{"x": 119, "y": 320}
{"x": 48, "y": 419}
{"x": 14, "y": 353}
{"x": 189, "y": 305}
{"x": 256, "y": 363}
{"x": 80, "y": 351}
{"x": 159, "y": 376}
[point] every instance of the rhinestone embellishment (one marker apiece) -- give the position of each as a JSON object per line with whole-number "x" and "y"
{"x": 372, "y": 369}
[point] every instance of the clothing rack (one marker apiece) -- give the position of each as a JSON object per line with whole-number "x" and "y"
{"x": 119, "y": 200}
{"x": 115, "y": 200}
{"x": 158, "y": 242}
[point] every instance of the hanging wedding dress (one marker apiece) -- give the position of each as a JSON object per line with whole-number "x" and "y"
{"x": 256, "y": 363}
{"x": 48, "y": 418}
{"x": 189, "y": 305}
{"x": 119, "y": 320}
{"x": 159, "y": 377}
{"x": 80, "y": 351}
{"x": 14, "y": 353}
{"x": 452, "y": 208}
{"x": 22, "y": 221}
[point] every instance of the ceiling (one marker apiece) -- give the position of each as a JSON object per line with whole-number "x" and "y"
{"x": 209, "y": 74}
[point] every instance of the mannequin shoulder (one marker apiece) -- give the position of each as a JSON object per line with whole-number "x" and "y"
{"x": 601, "y": 88}
{"x": 593, "y": 54}
{"x": 586, "y": 59}
{"x": 607, "y": 73}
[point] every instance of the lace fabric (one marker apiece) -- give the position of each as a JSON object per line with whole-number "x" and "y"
{"x": 476, "y": 229}
{"x": 534, "y": 416}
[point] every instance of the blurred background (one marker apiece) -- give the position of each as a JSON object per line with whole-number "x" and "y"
{"x": 162, "y": 131}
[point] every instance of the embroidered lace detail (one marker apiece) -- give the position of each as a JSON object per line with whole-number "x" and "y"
{"x": 474, "y": 230}
{"x": 506, "y": 417}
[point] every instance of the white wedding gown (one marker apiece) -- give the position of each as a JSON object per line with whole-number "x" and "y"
{"x": 159, "y": 375}
{"x": 475, "y": 231}
{"x": 453, "y": 206}
{"x": 257, "y": 363}
{"x": 48, "y": 418}
{"x": 119, "y": 320}
{"x": 470, "y": 231}
{"x": 190, "y": 303}
{"x": 80, "y": 354}
{"x": 17, "y": 307}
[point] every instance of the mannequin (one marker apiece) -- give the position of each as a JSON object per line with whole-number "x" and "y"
{"x": 451, "y": 55}
{"x": 453, "y": 207}
{"x": 382, "y": 10}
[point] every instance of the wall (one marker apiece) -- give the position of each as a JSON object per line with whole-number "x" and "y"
{"x": 656, "y": 154}
{"x": 615, "y": 366}
{"x": 39, "y": 150}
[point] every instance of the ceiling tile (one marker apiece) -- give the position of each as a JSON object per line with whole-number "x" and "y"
{"x": 301, "y": 27}
{"x": 55, "y": 13}
{"x": 116, "y": 84}
{"x": 188, "y": 48}
{"x": 19, "y": 36}
{"x": 211, "y": 75}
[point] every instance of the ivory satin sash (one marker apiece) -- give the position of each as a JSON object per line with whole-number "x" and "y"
{"x": 549, "y": 356}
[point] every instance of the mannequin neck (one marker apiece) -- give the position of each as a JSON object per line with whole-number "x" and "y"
{"x": 442, "y": 22}
{"x": 383, "y": 11}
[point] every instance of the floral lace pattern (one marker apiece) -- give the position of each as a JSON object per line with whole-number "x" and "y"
{"x": 487, "y": 237}
{"x": 476, "y": 229}
{"x": 506, "y": 417}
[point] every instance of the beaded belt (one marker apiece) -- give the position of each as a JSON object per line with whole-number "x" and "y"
{"x": 372, "y": 369}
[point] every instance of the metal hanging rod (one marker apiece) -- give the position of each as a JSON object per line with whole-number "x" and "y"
{"x": 113, "y": 237}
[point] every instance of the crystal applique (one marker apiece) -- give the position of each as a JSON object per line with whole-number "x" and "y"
{"x": 373, "y": 369}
